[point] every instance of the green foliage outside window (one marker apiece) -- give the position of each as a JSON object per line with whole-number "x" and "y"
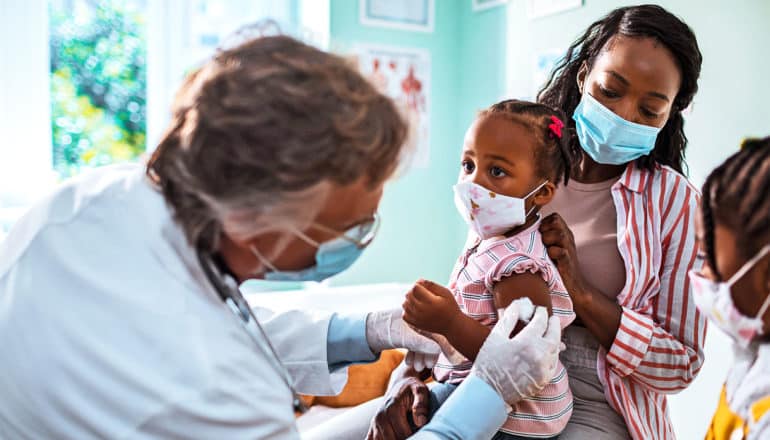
{"x": 98, "y": 82}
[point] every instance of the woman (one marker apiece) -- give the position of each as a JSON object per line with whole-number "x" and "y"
{"x": 621, "y": 232}
{"x": 117, "y": 292}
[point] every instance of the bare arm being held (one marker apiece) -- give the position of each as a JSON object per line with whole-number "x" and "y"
{"x": 432, "y": 307}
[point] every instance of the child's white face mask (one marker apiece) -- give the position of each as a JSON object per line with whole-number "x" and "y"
{"x": 714, "y": 300}
{"x": 488, "y": 213}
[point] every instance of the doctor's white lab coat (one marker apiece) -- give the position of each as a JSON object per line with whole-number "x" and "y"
{"x": 109, "y": 329}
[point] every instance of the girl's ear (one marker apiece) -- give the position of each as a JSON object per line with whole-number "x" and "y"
{"x": 581, "y": 76}
{"x": 544, "y": 195}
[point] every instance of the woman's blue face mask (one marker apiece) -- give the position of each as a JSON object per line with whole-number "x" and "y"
{"x": 608, "y": 138}
{"x": 332, "y": 257}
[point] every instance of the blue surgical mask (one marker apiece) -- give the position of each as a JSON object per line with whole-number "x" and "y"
{"x": 608, "y": 138}
{"x": 331, "y": 258}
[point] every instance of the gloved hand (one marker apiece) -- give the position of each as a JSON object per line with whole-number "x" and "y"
{"x": 453, "y": 356}
{"x": 420, "y": 361}
{"x": 521, "y": 366}
{"x": 386, "y": 329}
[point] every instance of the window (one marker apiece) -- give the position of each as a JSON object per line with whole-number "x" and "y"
{"x": 98, "y": 52}
{"x": 93, "y": 80}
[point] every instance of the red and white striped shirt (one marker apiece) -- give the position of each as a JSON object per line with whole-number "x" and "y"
{"x": 658, "y": 349}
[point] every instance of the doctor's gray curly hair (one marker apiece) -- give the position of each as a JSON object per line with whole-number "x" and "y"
{"x": 265, "y": 125}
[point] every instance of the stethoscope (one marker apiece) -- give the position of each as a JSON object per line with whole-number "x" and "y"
{"x": 228, "y": 291}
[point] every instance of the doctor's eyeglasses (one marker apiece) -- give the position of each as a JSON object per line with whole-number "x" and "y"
{"x": 361, "y": 234}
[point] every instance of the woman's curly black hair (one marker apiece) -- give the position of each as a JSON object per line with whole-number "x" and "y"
{"x": 645, "y": 21}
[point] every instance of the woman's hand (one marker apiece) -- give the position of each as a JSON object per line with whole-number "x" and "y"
{"x": 431, "y": 307}
{"x": 406, "y": 409}
{"x": 600, "y": 314}
{"x": 558, "y": 238}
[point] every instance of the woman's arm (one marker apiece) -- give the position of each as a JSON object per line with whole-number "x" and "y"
{"x": 660, "y": 341}
{"x": 599, "y": 314}
{"x": 657, "y": 342}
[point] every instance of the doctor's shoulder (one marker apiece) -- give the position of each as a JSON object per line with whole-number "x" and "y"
{"x": 62, "y": 206}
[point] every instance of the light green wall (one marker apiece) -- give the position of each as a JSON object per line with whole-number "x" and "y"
{"x": 421, "y": 232}
{"x": 483, "y": 43}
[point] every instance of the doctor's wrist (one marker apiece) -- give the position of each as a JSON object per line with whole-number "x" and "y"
{"x": 381, "y": 328}
{"x": 346, "y": 340}
{"x": 372, "y": 339}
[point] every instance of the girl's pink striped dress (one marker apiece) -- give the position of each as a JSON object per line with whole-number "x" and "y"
{"x": 477, "y": 270}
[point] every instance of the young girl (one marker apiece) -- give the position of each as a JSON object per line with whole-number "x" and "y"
{"x": 513, "y": 158}
{"x": 733, "y": 288}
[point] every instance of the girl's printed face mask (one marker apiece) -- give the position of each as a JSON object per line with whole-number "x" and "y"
{"x": 714, "y": 300}
{"x": 489, "y": 213}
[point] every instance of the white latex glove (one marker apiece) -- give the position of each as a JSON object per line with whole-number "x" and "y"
{"x": 521, "y": 366}
{"x": 453, "y": 356}
{"x": 386, "y": 329}
{"x": 420, "y": 361}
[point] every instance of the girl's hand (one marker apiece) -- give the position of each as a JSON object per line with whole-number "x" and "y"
{"x": 431, "y": 307}
{"x": 558, "y": 238}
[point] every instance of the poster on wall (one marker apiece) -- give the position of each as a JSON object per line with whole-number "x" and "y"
{"x": 404, "y": 75}
{"x": 480, "y": 5}
{"x": 543, "y": 8}
{"x": 410, "y": 15}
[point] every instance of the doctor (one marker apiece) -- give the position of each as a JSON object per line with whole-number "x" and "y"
{"x": 120, "y": 315}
